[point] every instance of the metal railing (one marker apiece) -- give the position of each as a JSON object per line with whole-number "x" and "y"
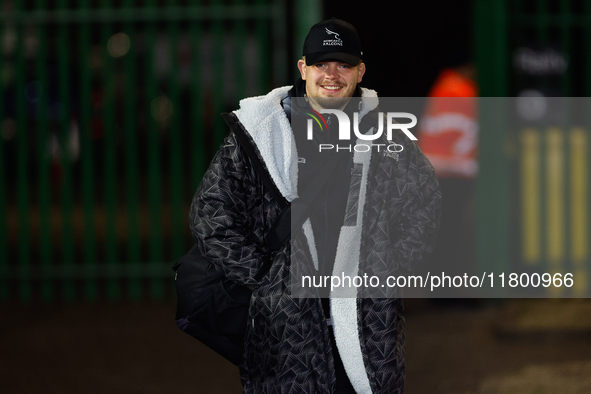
{"x": 109, "y": 115}
{"x": 533, "y": 189}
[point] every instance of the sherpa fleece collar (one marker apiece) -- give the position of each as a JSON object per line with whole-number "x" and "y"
{"x": 264, "y": 119}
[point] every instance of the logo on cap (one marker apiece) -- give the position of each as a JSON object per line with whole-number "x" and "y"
{"x": 335, "y": 41}
{"x": 336, "y": 35}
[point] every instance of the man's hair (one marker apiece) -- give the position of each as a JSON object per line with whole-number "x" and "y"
{"x": 322, "y": 61}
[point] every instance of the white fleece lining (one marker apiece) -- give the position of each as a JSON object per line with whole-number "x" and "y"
{"x": 311, "y": 241}
{"x": 264, "y": 119}
{"x": 344, "y": 310}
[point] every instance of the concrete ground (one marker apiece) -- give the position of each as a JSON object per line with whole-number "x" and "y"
{"x": 517, "y": 346}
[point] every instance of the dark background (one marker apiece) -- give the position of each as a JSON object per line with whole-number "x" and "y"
{"x": 407, "y": 43}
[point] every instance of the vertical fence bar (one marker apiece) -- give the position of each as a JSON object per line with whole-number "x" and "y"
{"x": 279, "y": 42}
{"x": 579, "y": 199}
{"x": 587, "y": 123}
{"x": 175, "y": 133}
{"x": 566, "y": 43}
{"x": 65, "y": 119}
{"x": 531, "y": 239}
{"x": 525, "y": 245}
{"x": 218, "y": 88}
{"x": 542, "y": 33}
{"x": 197, "y": 119}
{"x": 110, "y": 179}
{"x": 308, "y": 13}
{"x": 555, "y": 227}
{"x": 3, "y": 190}
{"x": 25, "y": 288}
{"x": 517, "y": 8}
{"x": 542, "y": 20}
{"x": 238, "y": 51}
{"x": 567, "y": 91}
{"x": 87, "y": 156}
{"x": 587, "y": 51}
{"x": 492, "y": 59}
{"x": 585, "y": 265}
{"x": 131, "y": 155}
{"x": 45, "y": 237}
{"x": 262, "y": 38}
{"x": 154, "y": 104}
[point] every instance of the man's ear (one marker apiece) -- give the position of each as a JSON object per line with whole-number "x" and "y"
{"x": 360, "y": 72}
{"x": 302, "y": 67}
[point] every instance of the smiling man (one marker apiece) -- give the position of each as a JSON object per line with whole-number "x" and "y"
{"x": 332, "y": 68}
{"x": 329, "y": 83}
{"x": 316, "y": 344}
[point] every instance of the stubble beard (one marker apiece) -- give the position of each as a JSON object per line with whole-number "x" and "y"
{"x": 330, "y": 102}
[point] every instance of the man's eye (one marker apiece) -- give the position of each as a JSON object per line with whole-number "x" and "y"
{"x": 319, "y": 65}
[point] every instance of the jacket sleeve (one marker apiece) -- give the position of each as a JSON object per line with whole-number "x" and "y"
{"x": 226, "y": 215}
{"x": 418, "y": 218}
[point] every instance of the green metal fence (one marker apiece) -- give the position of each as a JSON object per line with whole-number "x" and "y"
{"x": 533, "y": 191}
{"x": 109, "y": 114}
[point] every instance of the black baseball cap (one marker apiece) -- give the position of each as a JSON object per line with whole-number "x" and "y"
{"x": 333, "y": 39}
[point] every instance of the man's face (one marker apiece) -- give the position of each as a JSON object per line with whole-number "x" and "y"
{"x": 330, "y": 84}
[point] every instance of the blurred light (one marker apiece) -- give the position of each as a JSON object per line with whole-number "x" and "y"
{"x": 54, "y": 147}
{"x": 31, "y": 42}
{"x": 96, "y": 57}
{"x": 8, "y": 129}
{"x": 532, "y": 105}
{"x": 74, "y": 142}
{"x": 9, "y": 38}
{"x": 161, "y": 108}
{"x": 6, "y": 73}
{"x": 118, "y": 44}
{"x": 545, "y": 61}
{"x": 33, "y": 91}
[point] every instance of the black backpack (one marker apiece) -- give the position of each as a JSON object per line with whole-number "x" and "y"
{"x": 210, "y": 307}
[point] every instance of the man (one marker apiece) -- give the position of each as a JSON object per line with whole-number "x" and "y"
{"x": 311, "y": 344}
{"x": 448, "y": 136}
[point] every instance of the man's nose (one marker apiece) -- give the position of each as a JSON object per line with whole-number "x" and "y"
{"x": 331, "y": 71}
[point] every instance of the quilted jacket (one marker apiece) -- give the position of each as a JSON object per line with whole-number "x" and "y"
{"x": 287, "y": 348}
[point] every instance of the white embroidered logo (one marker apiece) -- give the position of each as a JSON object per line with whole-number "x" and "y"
{"x": 336, "y": 35}
{"x": 335, "y": 41}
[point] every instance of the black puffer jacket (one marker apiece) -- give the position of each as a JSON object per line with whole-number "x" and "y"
{"x": 287, "y": 346}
